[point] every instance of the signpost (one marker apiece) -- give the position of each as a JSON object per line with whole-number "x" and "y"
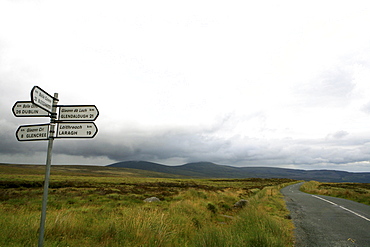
{"x": 33, "y": 132}
{"x": 78, "y": 113}
{"x": 28, "y": 109}
{"x": 43, "y": 104}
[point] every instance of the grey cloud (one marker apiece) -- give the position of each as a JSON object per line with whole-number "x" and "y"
{"x": 201, "y": 144}
{"x": 9, "y": 143}
{"x": 188, "y": 144}
{"x": 302, "y": 152}
{"x": 338, "y": 135}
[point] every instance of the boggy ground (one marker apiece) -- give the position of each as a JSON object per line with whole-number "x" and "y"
{"x": 94, "y": 206}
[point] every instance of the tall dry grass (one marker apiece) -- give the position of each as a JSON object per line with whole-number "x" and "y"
{"x": 187, "y": 220}
{"x": 109, "y": 211}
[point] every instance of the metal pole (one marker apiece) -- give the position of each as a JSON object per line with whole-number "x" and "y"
{"x": 47, "y": 171}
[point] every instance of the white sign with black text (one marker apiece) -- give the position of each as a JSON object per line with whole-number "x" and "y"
{"x": 42, "y": 99}
{"x": 78, "y": 113}
{"x": 33, "y": 132}
{"x": 28, "y": 109}
{"x": 76, "y": 130}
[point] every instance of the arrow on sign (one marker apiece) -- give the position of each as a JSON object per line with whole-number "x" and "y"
{"x": 28, "y": 109}
{"x": 42, "y": 99}
{"x": 33, "y": 132}
{"x": 76, "y": 130}
{"x": 78, "y": 113}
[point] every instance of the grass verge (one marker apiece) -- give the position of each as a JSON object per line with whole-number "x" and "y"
{"x": 359, "y": 192}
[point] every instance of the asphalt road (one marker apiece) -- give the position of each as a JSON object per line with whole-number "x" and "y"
{"x": 327, "y": 221}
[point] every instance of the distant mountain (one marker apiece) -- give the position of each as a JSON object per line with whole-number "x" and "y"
{"x": 155, "y": 167}
{"x": 211, "y": 170}
{"x": 143, "y": 165}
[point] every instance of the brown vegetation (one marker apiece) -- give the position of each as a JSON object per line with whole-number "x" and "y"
{"x": 93, "y": 206}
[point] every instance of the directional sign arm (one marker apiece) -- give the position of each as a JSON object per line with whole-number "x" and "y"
{"x": 42, "y": 99}
{"x": 33, "y": 132}
{"x": 28, "y": 109}
{"x": 78, "y": 113}
{"x": 76, "y": 130}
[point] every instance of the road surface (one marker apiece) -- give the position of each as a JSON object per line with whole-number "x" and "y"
{"x": 327, "y": 221}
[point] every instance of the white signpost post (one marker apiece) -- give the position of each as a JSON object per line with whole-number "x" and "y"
{"x": 44, "y": 105}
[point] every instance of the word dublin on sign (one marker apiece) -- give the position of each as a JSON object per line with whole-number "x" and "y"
{"x": 43, "y": 104}
{"x": 33, "y": 132}
{"x": 28, "y": 109}
{"x": 78, "y": 113}
{"x": 76, "y": 130}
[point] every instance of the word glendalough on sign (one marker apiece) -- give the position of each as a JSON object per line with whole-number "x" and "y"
{"x": 78, "y": 113}
{"x": 43, "y": 104}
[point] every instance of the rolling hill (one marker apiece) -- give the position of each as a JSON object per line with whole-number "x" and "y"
{"x": 211, "y": 170}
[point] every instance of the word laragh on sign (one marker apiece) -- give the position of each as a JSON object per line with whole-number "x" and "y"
{"x": 42, "y": 99}
{"x": 76, "y": 130}
{"x": 33, "y": 132}
{"x": 78, "y": 113}
{"x": 28, "y": 109}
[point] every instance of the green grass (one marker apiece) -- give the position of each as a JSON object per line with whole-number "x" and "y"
{"x": 93, "y": 207}
{"x": 359, "y": 192}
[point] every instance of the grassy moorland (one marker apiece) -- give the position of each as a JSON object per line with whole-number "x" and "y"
{"x": 359, "y": 192}
{"x": 101, "y": 206}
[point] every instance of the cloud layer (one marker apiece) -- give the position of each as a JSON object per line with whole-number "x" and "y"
{"x": 337, "y": 150}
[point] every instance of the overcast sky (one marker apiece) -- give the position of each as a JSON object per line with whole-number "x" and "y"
{"x": 241, "y": 83}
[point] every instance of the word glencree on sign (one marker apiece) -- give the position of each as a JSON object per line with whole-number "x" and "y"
{"x": 73, "y": 121}
{"x": 33, "y": 132}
